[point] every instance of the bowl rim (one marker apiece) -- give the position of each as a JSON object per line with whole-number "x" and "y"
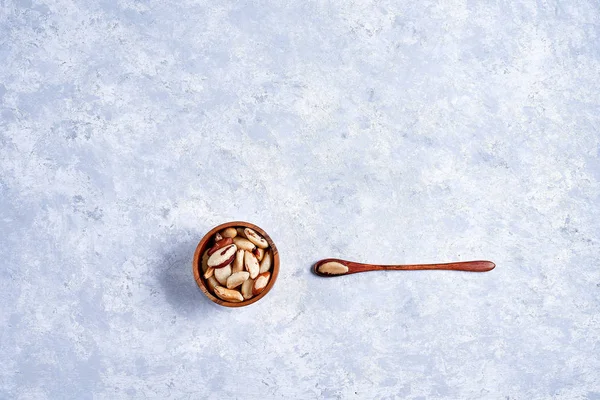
{"x": 197, "y": 267}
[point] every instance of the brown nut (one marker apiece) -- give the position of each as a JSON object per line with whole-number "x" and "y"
{"x": 265, "y": 264}
{"x": 251, "y": 264}
{"x": 243, "y": 244}
{"x": 247, "y": 288}
{"x": 230, "y": 232}
{"x": 237, "y": 279}
{"x": 255, "y": 238}
{"x": 221, "y": 274}
{"x": 223, "y": 257}
{"x": 261, "y": 283}
{"x": 204, "y": 261}
{"x": 219, "y": 245}
{"x": 238, "y": 263}
{"x": 258, "y": 253}
{"x": 228, "y": 294}
{"x": 240, "y": 232}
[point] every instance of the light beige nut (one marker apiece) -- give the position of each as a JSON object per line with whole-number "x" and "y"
{"x": 247, "y": 289}
{"x": 212, "y": 283}
{"x": 230, "y": 232}
{"x": 243, "y": 244}
{"x": 238, "y": 263}
{"x": 209, "y": 272}
{"x": 258, "y": 253}
{"x": 205, "y": 261}
{"x": 222, "y": 257}
{"x": 218, "y": 237}
{"x": 260, "y": 283}
{"x": 332, "y": 268}
{"x": 228, "y": 294}
{"x": 240, "y": 232}
{"x": 237, "y": 279}
{"x": 265, "y": 264}
{"x": 251, "y": 264}
{"x": 255, "y": 238}
{"x": 221, "y": 274}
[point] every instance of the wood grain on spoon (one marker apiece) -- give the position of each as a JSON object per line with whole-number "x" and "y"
{"x": 330, "y": 267}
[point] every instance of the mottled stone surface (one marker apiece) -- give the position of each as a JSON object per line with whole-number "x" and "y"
{"x": 377, "y": 131}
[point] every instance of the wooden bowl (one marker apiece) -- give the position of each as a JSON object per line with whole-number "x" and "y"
{"x": 203, "y": 246}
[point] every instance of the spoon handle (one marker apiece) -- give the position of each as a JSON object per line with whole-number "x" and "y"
{"x": 333, "y": 267}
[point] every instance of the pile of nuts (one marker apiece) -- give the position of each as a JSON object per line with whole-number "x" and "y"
{"x": 239, "y": 257}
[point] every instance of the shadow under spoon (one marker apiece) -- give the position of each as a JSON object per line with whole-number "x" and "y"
{"x": 331, "y": 267}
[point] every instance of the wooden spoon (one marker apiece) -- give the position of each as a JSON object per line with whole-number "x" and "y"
{"x": 335, "y": 267}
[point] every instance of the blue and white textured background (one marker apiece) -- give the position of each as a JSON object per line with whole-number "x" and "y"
{"x": 382, "y": 131}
